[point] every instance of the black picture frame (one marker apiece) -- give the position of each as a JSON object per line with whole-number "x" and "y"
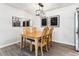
{"x": 26, "y": 23}
{"x": 55, "y": 21}
{"x": 16, "y": 22}
{"x": 44, "y": 22}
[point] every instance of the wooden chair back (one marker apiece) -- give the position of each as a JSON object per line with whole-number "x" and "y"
{"x": 50, "y": 33}
{"x": 43, "y": 37}
{"x": 34, "y": 31}
{"x": 26, "y": 31}
{"x": 45, "y": 30}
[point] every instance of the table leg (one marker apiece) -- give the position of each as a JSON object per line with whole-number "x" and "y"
{"x": 30, "y": 46}
{"x": 21, "y": 46}
{"x": 36, "y": 47}
{"x": 24, "y": 45}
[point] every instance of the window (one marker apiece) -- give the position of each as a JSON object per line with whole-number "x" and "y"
{"x": 26, "y": 23}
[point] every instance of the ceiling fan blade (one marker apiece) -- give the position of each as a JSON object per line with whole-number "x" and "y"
{"x": 40, "y": 4}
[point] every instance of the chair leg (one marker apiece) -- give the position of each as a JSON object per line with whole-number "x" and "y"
{"x": 31, "y": 46}
{"x": 24, "y": 42}
{"x": 42, "y": 50}
{"x": 21, "y": 44}
{"x": 46, "y": 48}
{"x": 51, "y": 43}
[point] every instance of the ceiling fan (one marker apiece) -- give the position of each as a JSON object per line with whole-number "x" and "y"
{"x": 40, "y": 4}
{"x": 40, "y": 12}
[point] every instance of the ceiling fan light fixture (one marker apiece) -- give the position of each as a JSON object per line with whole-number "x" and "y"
{"x": 40, "y": 12}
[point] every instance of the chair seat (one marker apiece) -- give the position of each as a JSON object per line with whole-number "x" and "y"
{"x": 32, "y": 40}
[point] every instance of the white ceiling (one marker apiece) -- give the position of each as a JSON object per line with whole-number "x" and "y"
{"x": 31, "y": 7}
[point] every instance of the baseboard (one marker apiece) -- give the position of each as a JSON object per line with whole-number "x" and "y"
{"x": 9, "y": 44}
{"x": 64, "y": 45}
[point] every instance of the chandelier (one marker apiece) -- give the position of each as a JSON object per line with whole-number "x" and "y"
{"x": 40, "y": 12}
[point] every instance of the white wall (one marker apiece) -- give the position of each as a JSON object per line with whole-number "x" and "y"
{"x": 9, "y": 34}
{"x": 65, "y": 33}
{"x": 36, "y": 22}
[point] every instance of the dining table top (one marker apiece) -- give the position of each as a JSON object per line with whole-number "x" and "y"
{"x": 34, "y": 35}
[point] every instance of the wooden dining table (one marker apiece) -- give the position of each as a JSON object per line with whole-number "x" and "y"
{"x": 33, "y": 37}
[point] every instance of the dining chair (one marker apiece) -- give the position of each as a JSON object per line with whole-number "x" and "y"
{"x": 34, "y": 31}
{"x": 22, "y": 38}
{"x": 42, "y": 41}
{"x": 50, "y": 37}
{"x": 25, "y": 34}
{"x": 26, "y": 31}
